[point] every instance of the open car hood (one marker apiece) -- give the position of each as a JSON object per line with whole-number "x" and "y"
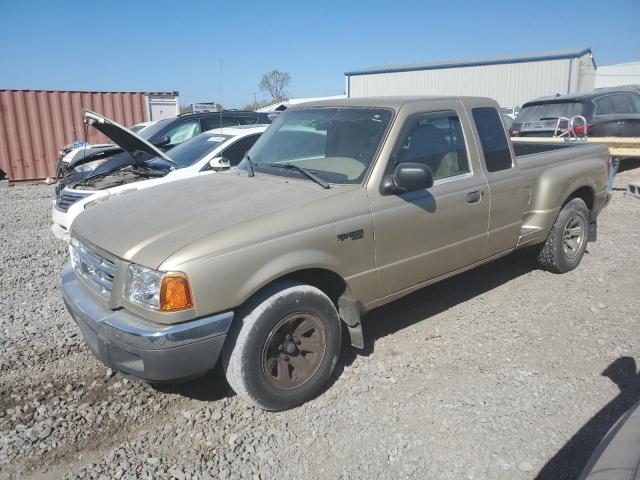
{"x": 121, "y": 136}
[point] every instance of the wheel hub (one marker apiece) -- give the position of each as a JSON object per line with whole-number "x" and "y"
{"x": 294, "y": 350}
{"x": 573, "y": 236}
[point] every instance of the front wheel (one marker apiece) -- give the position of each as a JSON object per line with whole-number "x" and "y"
{"x": 283, "y": 349}
{"x": 567, "y": 241}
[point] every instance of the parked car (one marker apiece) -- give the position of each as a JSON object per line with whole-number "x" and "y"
{"x": 205, "y": 153}
{"x": 617, "y": 456}
{"x": 340, "y": 207}
{"x": 508, "y": 120}
{"x": 79, "y": 149}
{"x": 164, "y": 134}
{"x": 609, "y": 112}
{"x": 510, "y": 112}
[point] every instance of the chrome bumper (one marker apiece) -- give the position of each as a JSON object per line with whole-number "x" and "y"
{"x": 136, "y": 346}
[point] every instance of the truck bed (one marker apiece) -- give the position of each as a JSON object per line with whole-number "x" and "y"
{"x": 521, "y": 149}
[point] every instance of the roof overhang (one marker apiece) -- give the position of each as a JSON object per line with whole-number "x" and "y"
{"x": 541, "y": 57}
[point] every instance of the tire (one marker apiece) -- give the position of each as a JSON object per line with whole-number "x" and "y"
{"x": 556, "y": 254}
{"x": 269, "y": 369}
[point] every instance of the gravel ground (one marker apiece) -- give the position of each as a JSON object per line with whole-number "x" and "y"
{"x": 504, "y": 372}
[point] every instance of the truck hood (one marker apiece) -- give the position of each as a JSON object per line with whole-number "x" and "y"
{"x": 147, "y": 226}
{"x": 121, "y": 136}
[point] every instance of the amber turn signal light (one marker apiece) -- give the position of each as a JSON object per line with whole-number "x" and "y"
{"x": 175, "y": 293}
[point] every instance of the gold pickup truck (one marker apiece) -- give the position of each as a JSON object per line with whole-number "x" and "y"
{"x": 340, "y": 207}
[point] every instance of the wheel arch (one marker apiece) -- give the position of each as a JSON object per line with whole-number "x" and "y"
{"x": 328, "y": 281}
{"x": 586, "y": 193}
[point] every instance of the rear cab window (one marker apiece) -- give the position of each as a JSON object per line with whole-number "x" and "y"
{"x": 493, "y": 139}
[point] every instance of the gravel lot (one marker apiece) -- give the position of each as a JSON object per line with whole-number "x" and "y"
{"x": 505, "y": 372}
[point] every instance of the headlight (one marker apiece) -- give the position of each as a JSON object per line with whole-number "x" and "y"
{"x": 165, "y": 291}
{"x": 95, "y": 202}
{"x": 73, "y": 253}
{"x": 89, "y": 166}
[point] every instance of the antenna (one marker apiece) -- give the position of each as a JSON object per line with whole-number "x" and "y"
{"x": 220, "y": 97}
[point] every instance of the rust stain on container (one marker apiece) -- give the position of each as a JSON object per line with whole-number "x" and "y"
{"x": 36, "y": 124}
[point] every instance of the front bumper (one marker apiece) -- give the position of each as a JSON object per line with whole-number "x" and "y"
{"x": 136, "y": 346}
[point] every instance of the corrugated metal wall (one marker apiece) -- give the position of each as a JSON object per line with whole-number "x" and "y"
{"x": 617, "y": 75}
{"x": 509, "y": 83}
{"x": 35, "y": 124}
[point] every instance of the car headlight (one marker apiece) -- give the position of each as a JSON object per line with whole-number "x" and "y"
{"x": 95, "y": 202}
{"x": 89, "y": 166}
{"x": 74, "y": 256}
{"x": 164, "y": 291}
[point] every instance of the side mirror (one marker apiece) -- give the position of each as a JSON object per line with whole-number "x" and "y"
{"x": 219, "y": 163}
{"x": 162, "y": 141}
{"x": 408, "y": 177}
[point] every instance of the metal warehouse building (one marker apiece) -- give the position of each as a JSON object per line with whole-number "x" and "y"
{"x": 618, "y": 75}
{"x": 510, "y": 80}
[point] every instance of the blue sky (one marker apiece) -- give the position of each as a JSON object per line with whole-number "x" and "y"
{"x": 219, "y": 50}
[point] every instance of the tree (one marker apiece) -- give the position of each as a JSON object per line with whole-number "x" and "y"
{"x": 275, "y": 83}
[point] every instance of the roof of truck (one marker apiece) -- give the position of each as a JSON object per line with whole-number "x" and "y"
{"x": 380, "y": 102}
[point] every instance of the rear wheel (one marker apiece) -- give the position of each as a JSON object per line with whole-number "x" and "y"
{"x": 567, "y": 241}
{"x": 283, "y": 349}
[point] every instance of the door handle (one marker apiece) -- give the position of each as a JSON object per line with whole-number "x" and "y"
{"x": 474, "y": 197}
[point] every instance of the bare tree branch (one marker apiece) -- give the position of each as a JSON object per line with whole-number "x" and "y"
{"x": 275, "y": 83}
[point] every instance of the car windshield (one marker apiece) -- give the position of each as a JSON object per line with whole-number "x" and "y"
{"x": 337, "y": 144}
{"x": 549, "y": 111}
{"x": 194, "y": 149}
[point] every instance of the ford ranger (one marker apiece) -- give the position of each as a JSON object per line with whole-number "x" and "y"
{"x": 340, "y": 207}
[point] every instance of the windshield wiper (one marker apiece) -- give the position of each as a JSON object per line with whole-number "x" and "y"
{"x": 250, "y": 162}
{"x": 304, "y": 171}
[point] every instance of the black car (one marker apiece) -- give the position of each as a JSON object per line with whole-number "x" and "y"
{"x": 608, "y": 112}
{"x": 164, "y": 134}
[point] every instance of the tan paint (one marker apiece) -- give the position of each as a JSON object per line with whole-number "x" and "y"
{"x": 233, "y": 234}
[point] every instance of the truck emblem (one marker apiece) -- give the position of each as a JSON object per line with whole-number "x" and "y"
{"x": 355, "y": 235}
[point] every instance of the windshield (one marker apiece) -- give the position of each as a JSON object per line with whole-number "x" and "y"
{"x": 336, "y": 144}
{"x": 549, "y": 111}
{"x": 194, "y": 149}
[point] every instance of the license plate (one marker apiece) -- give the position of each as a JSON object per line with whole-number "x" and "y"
{"x": 538, "y": 125}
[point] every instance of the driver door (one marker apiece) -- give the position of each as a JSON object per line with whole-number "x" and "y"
{"x": 425, "y": 234}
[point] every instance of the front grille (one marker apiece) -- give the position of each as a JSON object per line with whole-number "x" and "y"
{"x": 66, "y": 198}
{"x": 93, "y": 267}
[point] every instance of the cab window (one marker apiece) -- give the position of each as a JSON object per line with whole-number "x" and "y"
{"x": 436, "y": 140}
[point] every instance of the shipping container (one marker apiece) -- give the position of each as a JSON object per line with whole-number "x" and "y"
{"x": 36, "y": 124}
